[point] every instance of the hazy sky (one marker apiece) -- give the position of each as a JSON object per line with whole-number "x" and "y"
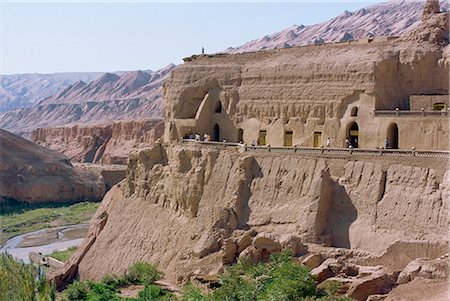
{"x": 57, "y": 36}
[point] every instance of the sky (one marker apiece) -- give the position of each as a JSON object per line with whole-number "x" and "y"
{"x": 84, "y": 36}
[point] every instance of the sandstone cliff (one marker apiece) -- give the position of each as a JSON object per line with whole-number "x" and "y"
{"x": 179, "y": 207}
{"x": 31, "y": 173}
{"x": 105, "y": 144}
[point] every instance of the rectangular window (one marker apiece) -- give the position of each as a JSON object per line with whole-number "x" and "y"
{"x": 317, "y": 139}
{"x": 262, "y": 137}
{"x": 288, "y": 135}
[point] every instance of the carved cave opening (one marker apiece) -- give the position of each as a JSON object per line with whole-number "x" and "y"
{"x": 392, "y": 136}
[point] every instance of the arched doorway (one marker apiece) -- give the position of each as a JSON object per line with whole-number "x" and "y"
{"x": 353, "y": 134}
{"x": 240, "y": 136}
{"x": 392, "y": 135}
{"x": 216, "y": 133}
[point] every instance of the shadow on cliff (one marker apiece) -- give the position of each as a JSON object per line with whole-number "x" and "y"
{"x": 252, "y": 173}
{"x": 342, "y": 213}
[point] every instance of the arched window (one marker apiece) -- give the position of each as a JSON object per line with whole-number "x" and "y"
{"x": 240, "y": 135}
{"x": 392, "y": 136}
{"x": 218, "y": 108}
{"x": 354, "y": 112}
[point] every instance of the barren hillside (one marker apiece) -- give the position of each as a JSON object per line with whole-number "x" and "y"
{"x": 25, "y": 90}
{"x": 31, "y": 173}
{"x": 134, "y": 95}
{"x": 392, "y": 18}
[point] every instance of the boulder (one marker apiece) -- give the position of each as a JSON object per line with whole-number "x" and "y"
{"x": 268, "y": 242}
{"x": 344, "y": 284}
{"x": 313, "y": 260}
{"x": 229, "y": 251}
{"x": 207, "y": 244}
{"x": 293, "y": 243}
{"x": 324, "y": 270}
{"x": 364, "y": 271}
{"x": 378, "y": 283}
{"x": 376, "y": 297}
{"x": 424, "y": 268}
{"x": 243, "y": 239}
{"x": 252, "y": 253}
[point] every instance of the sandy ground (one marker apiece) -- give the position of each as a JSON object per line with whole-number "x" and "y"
{"x": 53, "y": 235}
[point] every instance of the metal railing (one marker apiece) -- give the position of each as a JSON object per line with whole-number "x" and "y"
{"x": 322, "y": 151}
{"x": 408, "y": 113}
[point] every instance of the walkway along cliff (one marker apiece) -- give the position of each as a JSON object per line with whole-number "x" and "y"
{"x": 191, "y": 209}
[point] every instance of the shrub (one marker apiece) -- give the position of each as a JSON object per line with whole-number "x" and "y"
{"x": 142, "y": 272}
{"x": 281, "y": 279}
{"x": 192, "y": 293}
{"x": 153, "y": 293}
{"x": 91, "y": 291}
{"x": 20, "y": 281}
{"x": 77, "y": 290}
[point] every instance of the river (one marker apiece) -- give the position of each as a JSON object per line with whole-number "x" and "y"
{"x": 45, "y": 241}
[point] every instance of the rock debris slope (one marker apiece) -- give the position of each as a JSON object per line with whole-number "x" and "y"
{"x": 34, "y": 174}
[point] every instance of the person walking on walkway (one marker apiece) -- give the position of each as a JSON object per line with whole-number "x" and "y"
{"x": 328, "y": 142}
{"x": 387, "y": 143}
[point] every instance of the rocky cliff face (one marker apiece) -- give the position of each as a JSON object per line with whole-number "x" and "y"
{"x": 31, "y": 173}
{"x": 182, "y": 207}
{"x": 105, "y": 144}
{"x": 134, "y": 95}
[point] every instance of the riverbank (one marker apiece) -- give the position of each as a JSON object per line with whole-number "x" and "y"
{"x": 45, "y": 241}
{"x": 18, "y": 219}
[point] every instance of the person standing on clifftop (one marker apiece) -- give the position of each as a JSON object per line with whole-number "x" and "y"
{"x": 203, "y": 50}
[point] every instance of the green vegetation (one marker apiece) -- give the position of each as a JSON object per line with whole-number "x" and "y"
{"x": 109, "y": 288}
{"x": 18, "y": 218}
{"x": 281, "y": 279}
{"x": 19, "y": 281}
{"x": 64, "y": 255}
